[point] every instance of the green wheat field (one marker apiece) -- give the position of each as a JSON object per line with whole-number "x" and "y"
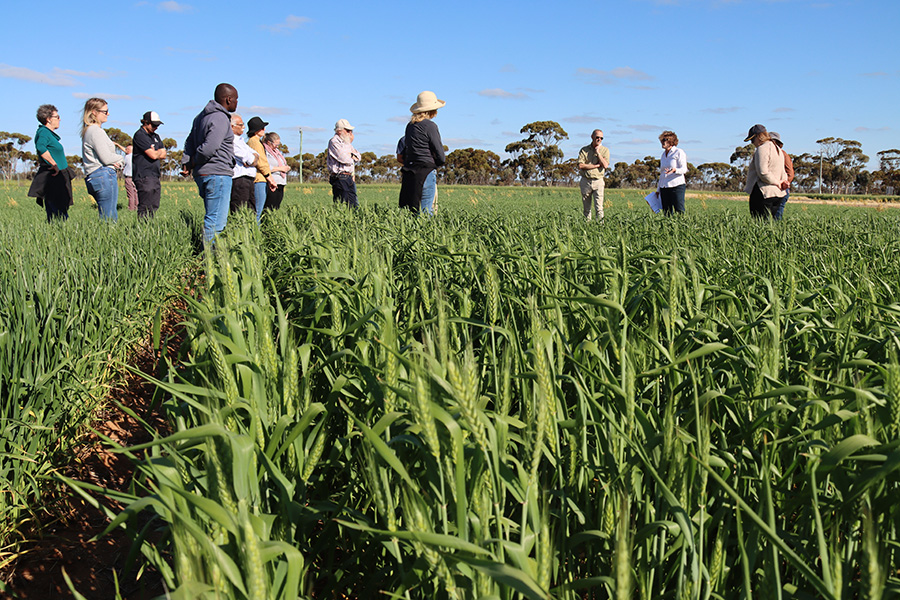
{"x": 502, "y": 401}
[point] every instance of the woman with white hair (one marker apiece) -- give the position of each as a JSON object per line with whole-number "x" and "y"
{"x": 422, "y": 154}
{"x": 280, "y": 169}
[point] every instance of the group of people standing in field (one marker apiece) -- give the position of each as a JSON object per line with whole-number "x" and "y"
{"x": 769, "y": 175}
{"x": 52, "y": 184}
{"x": 232, "y": 174}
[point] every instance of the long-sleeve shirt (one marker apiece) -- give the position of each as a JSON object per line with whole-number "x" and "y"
{"x": 243, "y": 156}
{"x": 342, "y": 156}
{"x": 276, "y": 159}
{"x": 788, "y": 167}
{"x": 676, "y": 159}
{"x": 97, "y": 150}
{"x": 767, "y": 171}
{"x": 424, "y": 147}
{"x": 262, "y": 165}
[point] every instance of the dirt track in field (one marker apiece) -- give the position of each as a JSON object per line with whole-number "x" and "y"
{"x": 64, "y": 534}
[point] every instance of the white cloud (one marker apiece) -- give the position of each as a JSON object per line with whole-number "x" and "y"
{"x": 722, "y": 110}
{"x": 614, "y": 76}
{"x": 265, "y": 110}
{"x": 581, "y": 119}
{"x": 107, "y": 97}
{"x": 783, "y": 109}
{"x": 289, "y": 24}
{"x": 647, "y": 127}
{"x": 635, "y": 142}
{"x": 508, "y": 68}
{"x": 398, "y": 119}
{"x": 500, "y": 93}
{"x": 56, "y": 77}
{"x": 865, "y": 129}
{"x": 174, "y": 7}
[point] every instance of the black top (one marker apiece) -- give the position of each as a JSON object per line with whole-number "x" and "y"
{"x": 143, "y": 167}
{"x": 423, "y": 146}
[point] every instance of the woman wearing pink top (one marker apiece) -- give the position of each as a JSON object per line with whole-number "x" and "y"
{"x": 279, "y": 168}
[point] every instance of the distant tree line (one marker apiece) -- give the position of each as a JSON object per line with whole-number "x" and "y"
{"x": 837, "y": 168}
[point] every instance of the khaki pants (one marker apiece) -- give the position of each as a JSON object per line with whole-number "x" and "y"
{"x": 592, "y": 193}
{"x": 131, "y": 193}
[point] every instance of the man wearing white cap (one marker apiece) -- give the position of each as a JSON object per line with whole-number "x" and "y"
{"x": 148, "y": 150}
{"x": 341, "y": 160}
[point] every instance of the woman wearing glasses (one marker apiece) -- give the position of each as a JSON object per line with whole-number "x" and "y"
{"x": 101, "y": 161}
{"x": 52, "y": 184}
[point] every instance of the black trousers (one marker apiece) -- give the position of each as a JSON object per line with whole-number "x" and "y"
{"x": 57, "y": 197}
{"x": 149, "y": 192}
{"x": 672, "y": 199}
{"x": 273, "y": 199}
{"x": 343, "y": 189}
{"x": 242, "y": 195}
{"x": 411, "y": 183}
{"x": 762, "y": 207}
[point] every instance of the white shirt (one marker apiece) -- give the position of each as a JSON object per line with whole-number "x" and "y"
{"x": 243, "y": 154}
{"x": 676, "y": 159}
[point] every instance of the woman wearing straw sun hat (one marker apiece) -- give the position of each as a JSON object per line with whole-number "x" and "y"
{"x": 424, "y": 152}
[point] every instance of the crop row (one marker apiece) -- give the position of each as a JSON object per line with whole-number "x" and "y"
{"x": 531, "y": 406}
{"x": 75, "y": 298}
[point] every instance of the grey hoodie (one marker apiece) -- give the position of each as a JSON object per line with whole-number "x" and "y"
{"x": 209, "y": 146}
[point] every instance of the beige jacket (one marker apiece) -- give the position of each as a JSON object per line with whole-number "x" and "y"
{"x": 766, "y": 170}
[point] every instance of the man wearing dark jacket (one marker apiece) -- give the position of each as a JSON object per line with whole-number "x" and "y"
{"x": 209, "y": 154}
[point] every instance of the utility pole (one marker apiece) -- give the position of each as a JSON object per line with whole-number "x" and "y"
{"x": 820, "y": 170}
{"x": 301, "y": 154}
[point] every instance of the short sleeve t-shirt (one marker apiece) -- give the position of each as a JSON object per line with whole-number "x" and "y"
{"x": 143, "y": 166}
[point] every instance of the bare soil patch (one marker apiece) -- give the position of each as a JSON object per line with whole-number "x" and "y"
{"x": 64, "y": 535}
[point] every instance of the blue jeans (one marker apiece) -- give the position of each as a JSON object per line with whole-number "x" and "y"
{"x": 429, "y": 190}
{"x": 780, "y": 212}
{"x": 103, "y": 186}
{"x": 216, "y": 193}
{"x": 259, "y": 193}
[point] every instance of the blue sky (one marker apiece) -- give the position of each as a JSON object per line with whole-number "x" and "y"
{"x": 707, "y": 69}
